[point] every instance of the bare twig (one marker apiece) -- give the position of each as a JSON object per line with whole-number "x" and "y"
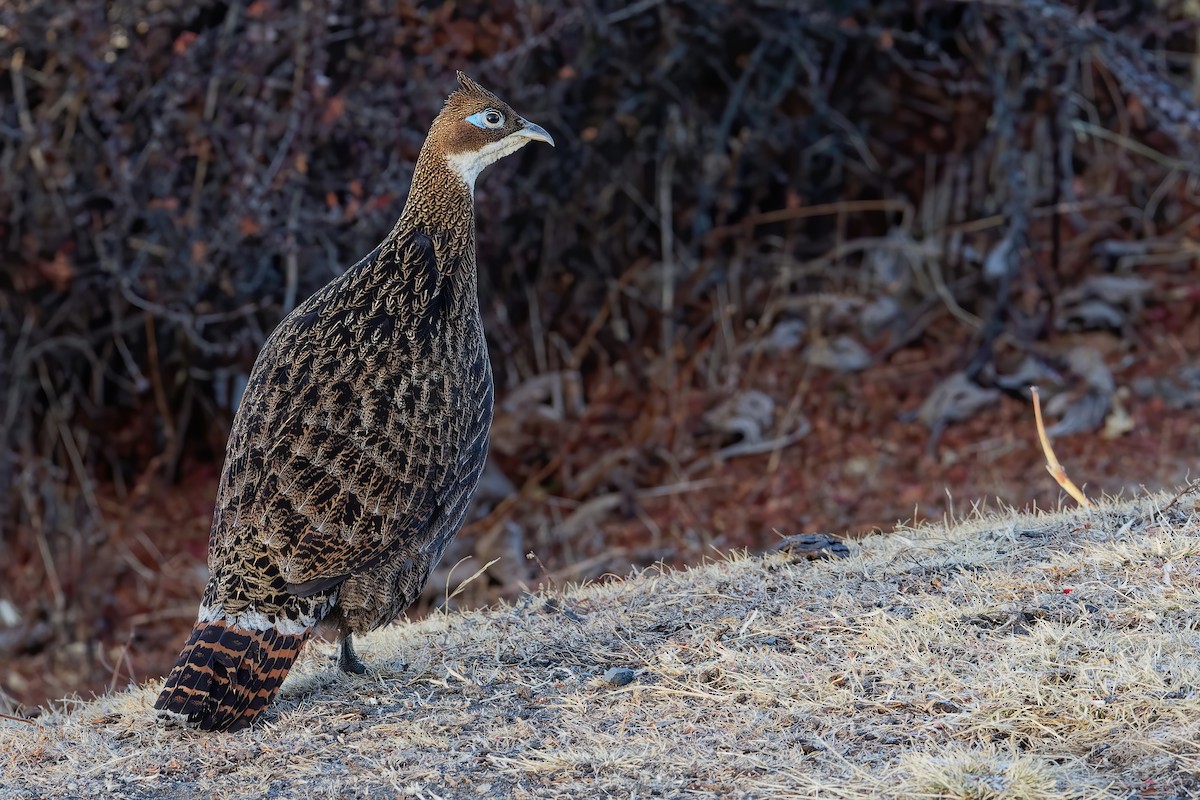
{"x": 666, "y": 227}
{"x": 291, "y": 261}
{"x": 1085, "y": 128}
{"x": 752, "y": 221}
{"x": 36, "y": 154}
{"x": 742, "y": 449}
{"x": 1187, "y": 487}
{"x": 631, "y": 10}
{"x": 11, "y": 718}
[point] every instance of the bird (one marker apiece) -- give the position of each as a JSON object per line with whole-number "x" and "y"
{"x": 358, "y": 441}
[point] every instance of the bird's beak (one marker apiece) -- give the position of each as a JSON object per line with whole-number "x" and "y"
{"x": 535, "y": 132}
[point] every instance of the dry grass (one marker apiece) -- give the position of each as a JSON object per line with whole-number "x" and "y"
{"x": 1014, "y": 656}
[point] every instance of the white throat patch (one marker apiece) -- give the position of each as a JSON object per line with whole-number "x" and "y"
{"x": 468, "y": 165}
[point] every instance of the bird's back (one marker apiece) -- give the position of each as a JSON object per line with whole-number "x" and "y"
{"x": 367, "y": 406}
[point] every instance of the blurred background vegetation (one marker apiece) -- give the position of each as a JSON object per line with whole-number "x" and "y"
{"x": 790, "y": 268}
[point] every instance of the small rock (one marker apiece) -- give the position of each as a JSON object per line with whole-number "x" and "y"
{"x": 619, "y": 676}
{"x": 813, "y": 546}
{"x": 878, "y": 315}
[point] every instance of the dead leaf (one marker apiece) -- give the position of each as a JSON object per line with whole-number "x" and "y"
{"x": 785, "y": 336}
{"x": 749, "y": 413}
{"x": 955, "y": 399}
{"x": 999, "y": 259}
{"x": 1030, "y": 372}
{"x": 1085, "y": 403}
{"x": 335, "y": 107}
{"x": 183, "y": 42}
{"x": 1077, "y": 412}
{"x": 250, "y": 226}
{"x": 1103, "y": 302}
{"x": 199, "y": 252}
{"x": 59, "y": 271}
{"x": 842, "y": 354}
{"x": 879, "y": 315}
{"x": 1118, "y": 422}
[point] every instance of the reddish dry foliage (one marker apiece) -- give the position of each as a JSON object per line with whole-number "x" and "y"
{"x": 717, "y": 310}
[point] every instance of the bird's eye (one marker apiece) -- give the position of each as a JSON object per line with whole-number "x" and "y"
{"x": 491, "y": 118}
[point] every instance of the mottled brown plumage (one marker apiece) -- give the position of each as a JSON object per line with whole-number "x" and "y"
{"x": 358, "y": 442}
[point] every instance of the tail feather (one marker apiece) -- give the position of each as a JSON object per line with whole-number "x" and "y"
{"x": 226, "y": 674}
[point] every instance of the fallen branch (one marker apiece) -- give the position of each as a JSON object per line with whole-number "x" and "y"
{"x": 1052, "y": 465}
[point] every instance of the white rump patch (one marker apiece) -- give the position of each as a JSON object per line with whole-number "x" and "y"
{"x": 210, "y": 613}
{"x": 170, "y": 718}
{"x": 252, "y": 620}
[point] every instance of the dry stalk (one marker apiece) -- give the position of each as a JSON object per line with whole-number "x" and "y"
{"x": 451, "y": 595}
{"x": 12, "y": 718}
{"x": 1052, "y": 464}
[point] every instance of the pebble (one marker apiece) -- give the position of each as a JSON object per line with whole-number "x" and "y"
{"x": 619, "y": 676}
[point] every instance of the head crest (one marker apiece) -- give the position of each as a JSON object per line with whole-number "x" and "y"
{"x": 469, "y": 91}
{"x": 466, "y": 83}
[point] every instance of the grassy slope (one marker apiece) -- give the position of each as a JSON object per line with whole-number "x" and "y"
{"x": 1045, "y": 656}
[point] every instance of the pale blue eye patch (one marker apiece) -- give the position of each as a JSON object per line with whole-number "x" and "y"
{"x": 489, "y": 118}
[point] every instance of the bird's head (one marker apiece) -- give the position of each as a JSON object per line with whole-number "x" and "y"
{"x": 476, "y": 128}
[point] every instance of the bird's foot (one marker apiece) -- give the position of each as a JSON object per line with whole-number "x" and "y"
{"x": 348, "y": 660}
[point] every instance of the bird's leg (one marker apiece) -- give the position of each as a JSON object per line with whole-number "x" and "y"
{"x": 348, "y": 660}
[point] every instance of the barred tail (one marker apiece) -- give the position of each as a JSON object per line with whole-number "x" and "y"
{"x": 227, "y": 674}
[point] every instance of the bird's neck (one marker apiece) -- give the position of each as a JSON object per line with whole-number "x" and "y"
{"x": 440, "y": 202}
